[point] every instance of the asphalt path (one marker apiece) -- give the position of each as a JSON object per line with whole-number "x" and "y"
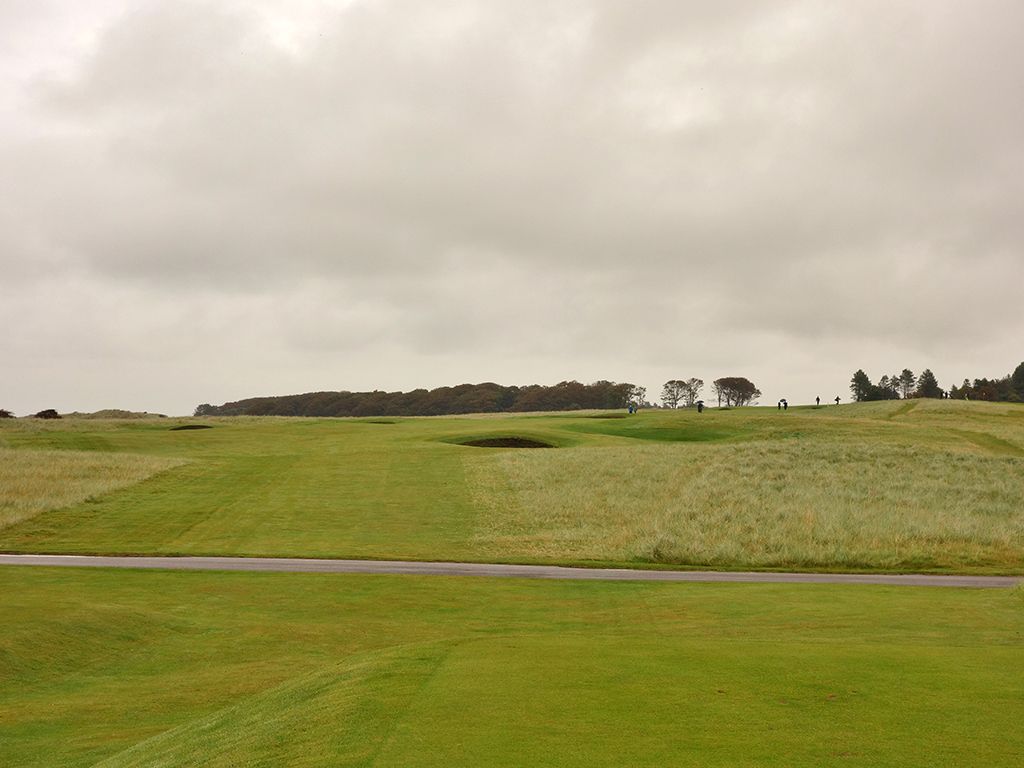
{"x": 304, "y": 565}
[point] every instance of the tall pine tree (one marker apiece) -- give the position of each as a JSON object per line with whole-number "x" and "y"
{"x": 860, "y": 386}
{"x": 928, "y": 385}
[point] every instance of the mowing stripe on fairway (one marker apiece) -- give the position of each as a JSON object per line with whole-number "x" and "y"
{"x": 308, "y": 565}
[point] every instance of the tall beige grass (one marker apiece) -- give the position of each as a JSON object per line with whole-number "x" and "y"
{"x": 36, "y": 481}
{"x": 781, "y": 503}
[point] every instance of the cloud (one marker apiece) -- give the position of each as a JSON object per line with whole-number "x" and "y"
{"x": 523, "y": 191}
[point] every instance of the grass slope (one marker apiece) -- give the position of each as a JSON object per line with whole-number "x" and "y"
{"x": 915, "y": 485}
{"x": 139, "y": 668}
{"x": 335, "y": 716}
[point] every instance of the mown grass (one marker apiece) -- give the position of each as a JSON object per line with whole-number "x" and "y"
{"x": 134, "y": 668}
{"x": 916, "y": 485}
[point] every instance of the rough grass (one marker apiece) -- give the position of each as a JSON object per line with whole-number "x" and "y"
{"x": 762, "y": 504}
{"x": 916, "y": 485}
{"x": 36, "y": 481}
{"x": 132, "y": 668}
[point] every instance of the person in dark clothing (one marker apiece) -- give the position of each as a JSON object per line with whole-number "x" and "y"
{"x": 817, "y": 401}
{"x": 837, "y": 399}
{"x": 700, "y": 406}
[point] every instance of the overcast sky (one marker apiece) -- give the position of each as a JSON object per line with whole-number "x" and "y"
{"x": 205, "y": 201}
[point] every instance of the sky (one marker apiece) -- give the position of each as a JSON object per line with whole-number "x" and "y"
{"x": 206, "y": 201}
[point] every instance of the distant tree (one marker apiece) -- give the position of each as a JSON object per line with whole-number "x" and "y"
{"x": 890, "y": 389}
{"x": 5, "y": 414}
{"x": 985, "y": 389}
{"x": 678, "y": 392}
{"x": 205, "y": 410}
{"x": 907, "y": 381}
{"x": 894, "y": 383}
{"x": 735, "y": 390}
{"x": 861, "y": 386}
{"x": 49, "y": 413}
{"x": 638, "y": 395}
{"x": 673, "y": 392}
{"x": 927, "y": 385}
{"x": 997, "y": 390}
{"x": 692, "y": 392}
{"x": 1017, "y": 381}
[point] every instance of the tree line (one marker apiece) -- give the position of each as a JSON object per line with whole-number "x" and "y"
{"x": 1008, "y": 389}
{"x": 49, "y": 413}
{"x": 464, "y": 398}
{"x": 903, "y": 385}
{"x": 484, "y": 398}
{"x": 730, "y": 390}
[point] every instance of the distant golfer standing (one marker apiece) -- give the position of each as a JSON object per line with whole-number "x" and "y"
{"x": 817, "y": 401}
{"x": 700, "y": 406}
{"x": 837, "y": 399}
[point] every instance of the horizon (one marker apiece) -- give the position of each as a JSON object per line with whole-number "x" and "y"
{"x": 653, "y": 400}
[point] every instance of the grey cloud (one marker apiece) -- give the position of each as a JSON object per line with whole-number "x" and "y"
{"x": 468, "y": 184}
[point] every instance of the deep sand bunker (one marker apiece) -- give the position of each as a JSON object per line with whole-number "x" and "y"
{"x": 190, "y": 426}
{"x": 506, "y": 442}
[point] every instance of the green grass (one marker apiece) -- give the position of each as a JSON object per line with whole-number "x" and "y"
{"x": 135, "y": 668}
{"x": 138, "y": 668}
{"x": 801, "y": 504}
{"x": 37, "y": 481}
{"x": 916, "y": 485}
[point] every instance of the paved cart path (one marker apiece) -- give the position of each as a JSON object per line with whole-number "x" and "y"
{"x": 304, "y": 565}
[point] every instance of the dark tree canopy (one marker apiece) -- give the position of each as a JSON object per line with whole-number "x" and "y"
{"x": 735, "y": 390}
{"x": 49, "y": 413}
{"x": 677, "y": 392}
{"x": 637, "y": 396}
{"x": 691, "y": 394}
{"x": 891, "y": 388}
{"x": 1017, "y": 382}
{"x": 861, "y": 386}
{"x": 927, "y": 385}
{"x": 907, "y": 380}
{"x": 5, "y": 414}
{"x": 672, "y": 393}
{"x": 465, "y": 398}
{"x": 1009, "y": 388}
